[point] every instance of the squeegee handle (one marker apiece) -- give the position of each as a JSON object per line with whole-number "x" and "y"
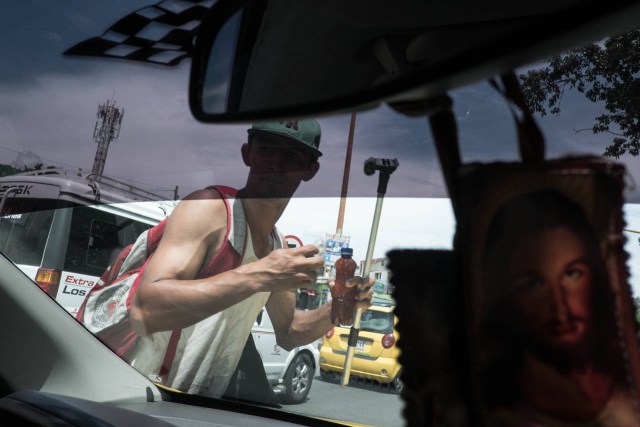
{"x": 355, "y": 329}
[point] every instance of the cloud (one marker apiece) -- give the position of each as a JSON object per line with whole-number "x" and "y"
{"x": 49, "y": 105}
{"x": 162, "y": 145}
{"x": 54, "y": 36}
{"x": 432, "y": 223}
{"x": 432, "y": 226}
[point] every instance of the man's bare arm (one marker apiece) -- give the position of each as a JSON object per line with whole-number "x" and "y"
{"x": 170, "y": 297}
{"x": 167, "y": 297}
{"x": 294, "y": 328}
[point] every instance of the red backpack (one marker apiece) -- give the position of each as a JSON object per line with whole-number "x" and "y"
{"x": 105, "y": 310}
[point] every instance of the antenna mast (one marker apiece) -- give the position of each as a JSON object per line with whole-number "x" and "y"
{"x": 107, "y": 130}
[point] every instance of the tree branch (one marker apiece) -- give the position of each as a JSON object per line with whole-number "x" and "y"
{"x": 604, "y": 131}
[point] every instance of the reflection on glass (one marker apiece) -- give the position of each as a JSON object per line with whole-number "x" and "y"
{"x": 220, "y": 66}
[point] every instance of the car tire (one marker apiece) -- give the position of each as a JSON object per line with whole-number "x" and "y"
{"x": 298, "y": 379}
{"x": 397, "y": 383}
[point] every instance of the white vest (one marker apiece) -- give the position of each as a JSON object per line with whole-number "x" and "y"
{"x": 208, "y": 351}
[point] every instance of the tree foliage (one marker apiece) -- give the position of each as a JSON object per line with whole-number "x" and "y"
{"x": 607, "y": 72}
{"x": 6, "y": 170}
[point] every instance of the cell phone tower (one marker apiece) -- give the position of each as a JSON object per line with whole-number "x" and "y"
{"x": 107, "y": 130}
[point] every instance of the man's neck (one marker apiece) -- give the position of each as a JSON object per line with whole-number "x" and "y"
{"x": 262, "y": 215}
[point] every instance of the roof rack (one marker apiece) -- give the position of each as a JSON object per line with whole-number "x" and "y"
{"x": 123, "y": 186}
{"x": 104, "y": 181}
{"x": 51, "y": 171}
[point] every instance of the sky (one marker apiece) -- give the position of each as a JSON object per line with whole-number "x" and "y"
{"x": 48, "y": 107}
{"x": 61, "y": 94}
{"x": 432, "y": 226}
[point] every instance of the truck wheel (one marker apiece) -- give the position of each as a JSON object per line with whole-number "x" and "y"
{"x": 298, "y": 379}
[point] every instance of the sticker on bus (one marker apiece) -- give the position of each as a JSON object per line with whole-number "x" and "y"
{"x": 73, "y": 289}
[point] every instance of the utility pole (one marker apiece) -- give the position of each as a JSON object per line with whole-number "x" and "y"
{"x": 345, "y": 176}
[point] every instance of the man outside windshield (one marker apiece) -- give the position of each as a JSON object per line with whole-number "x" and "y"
{"x": 216, "y": 313}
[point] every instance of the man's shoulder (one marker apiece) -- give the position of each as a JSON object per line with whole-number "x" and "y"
{"x": 214, "y": 192}
{"x": 202, "y": 212}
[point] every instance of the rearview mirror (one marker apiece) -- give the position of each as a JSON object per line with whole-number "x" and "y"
{"x": 262, "y": 59}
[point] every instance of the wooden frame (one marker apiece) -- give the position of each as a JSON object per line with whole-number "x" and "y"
{"x": 509, "y": 339}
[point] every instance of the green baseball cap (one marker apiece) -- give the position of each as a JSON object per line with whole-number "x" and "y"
{"x": 305, "y": 131}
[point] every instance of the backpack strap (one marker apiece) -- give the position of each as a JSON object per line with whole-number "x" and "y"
{"x": 235, "y": 236}
{"x": 278, "y": 239}
{"x": 169, "y": 355}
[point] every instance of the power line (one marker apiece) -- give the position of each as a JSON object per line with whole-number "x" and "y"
{"x": 41, "y": 158}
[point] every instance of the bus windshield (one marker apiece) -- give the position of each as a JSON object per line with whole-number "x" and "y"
{"x": 24, "y": 228}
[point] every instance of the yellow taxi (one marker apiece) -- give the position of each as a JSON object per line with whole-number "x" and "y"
{"x": 376, "y": 353}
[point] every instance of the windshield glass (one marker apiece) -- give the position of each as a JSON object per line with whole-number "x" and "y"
{"x": 377, "y": 321}
{"x": 128, "y": 119}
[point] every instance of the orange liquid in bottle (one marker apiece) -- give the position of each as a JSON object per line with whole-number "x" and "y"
{"x": 343, "y": 299}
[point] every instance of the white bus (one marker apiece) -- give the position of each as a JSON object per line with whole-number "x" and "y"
{"x": 63, "y": 228}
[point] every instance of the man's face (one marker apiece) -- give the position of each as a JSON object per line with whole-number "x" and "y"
{"x": 277, "y": 165}
{"x": 550, "y": 277}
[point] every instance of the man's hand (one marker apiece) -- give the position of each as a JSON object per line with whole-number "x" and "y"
{"x": 287, "y": 269}
{"x": 365, "y": 291}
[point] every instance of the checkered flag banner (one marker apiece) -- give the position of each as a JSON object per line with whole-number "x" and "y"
{"x": 160, "y": 34}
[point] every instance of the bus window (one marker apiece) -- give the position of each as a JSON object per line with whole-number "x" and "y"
{"x": 24, "y": 228}
{"x": 104, "y": 244}
{"x": 23, "y": 236}
{"x": 96, "y": 238}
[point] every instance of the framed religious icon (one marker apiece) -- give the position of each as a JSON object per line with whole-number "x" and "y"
{"x": 551, "y": 323}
